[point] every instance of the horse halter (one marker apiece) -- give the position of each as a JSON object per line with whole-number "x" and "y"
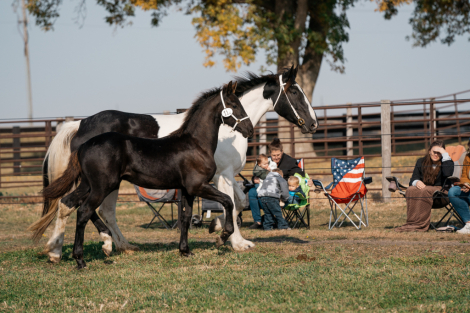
{"x": 227, "y": 112}
{"x": 300, "y": 120}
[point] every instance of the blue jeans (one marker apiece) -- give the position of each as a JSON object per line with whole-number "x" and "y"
{"x": 272, "y": 210}
{"x": 460, "y": 200}
{"x": 255, "y": 205}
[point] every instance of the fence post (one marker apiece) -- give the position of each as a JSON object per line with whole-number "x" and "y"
{"x": 386, "y": 147}
{"x": 325, "y": 131}
{"x": 48, "y": 134}
{"x": 425, "y": 126}
{"x": 292, "y": 138}
{"x": 16, "y": 149}
{"x": 359, "y": 130}
{"x": 457, "y": 117}
{"x": 432, "y": 117}
{"x": 349, "y": 131}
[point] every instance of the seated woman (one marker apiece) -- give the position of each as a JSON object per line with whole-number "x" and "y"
{"x": 460, "y": 196}
{"x": 428, "y": 176}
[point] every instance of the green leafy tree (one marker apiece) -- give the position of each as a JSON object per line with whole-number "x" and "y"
{"x": 303, "y": 32}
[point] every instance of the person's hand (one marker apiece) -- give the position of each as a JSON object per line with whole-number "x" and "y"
{"x": 441, "y": 150}
{"x": 420, "y": 185}
{"x": 310, "y": 183}
{"x": 465, "y": 189}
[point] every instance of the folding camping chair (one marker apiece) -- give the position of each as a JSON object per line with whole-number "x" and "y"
{"x": 348, "y": 187}
{"x": 161, "y": 197}
{"x": 440, "y": 197}
{"x": 209, "y": 206}
{"x": 295, "y": 214}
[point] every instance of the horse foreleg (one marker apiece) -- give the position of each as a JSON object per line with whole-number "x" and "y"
{"x": 107, "y": 212}
{"x": 237, "y": 240}
{"x": 104, "y": 232}
{"x": 54, "y": 245}
{"x": 185, "y": 212}
{"x": 206, "y": 191}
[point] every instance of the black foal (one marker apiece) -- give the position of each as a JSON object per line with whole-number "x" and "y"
{"x": 183, "y": 160}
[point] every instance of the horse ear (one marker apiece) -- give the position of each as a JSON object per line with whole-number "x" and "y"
{"x": 229, "y": 88}
{"x": 234, "y": 87}
{"x": 290, "y": 77}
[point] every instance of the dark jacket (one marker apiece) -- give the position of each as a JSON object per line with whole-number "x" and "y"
{"x": 260, "y": 172}
{"x": 447, "y": 169}
{"x": 289, "y": 166}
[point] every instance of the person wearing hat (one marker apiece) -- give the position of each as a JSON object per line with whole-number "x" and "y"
{"x": 460, "y": 195}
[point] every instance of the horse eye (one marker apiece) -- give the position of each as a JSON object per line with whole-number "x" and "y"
{"x": 294, "y": 92}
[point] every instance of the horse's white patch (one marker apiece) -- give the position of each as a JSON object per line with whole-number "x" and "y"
{"x": 108, "y": 243}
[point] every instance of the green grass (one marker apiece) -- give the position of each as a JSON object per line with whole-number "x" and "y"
{"x": 375, "y": 269}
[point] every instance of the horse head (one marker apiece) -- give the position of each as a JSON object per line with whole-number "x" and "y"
{"x": 232, "y": 111}
{"x": 290, "y": 101}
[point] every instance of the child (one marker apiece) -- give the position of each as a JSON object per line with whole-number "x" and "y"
{"x": 273, "y": 188}
{"x": 259, "y": 173}
{"x": 261, "y": 168}
{"x": 294, "y": 188}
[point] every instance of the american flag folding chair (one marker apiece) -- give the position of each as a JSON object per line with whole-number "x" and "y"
{"x": 349, "y": 189}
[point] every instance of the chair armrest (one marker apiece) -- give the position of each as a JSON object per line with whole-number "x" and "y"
{"x": 395, "y": 184}
{"x": 367, "y": 180}
{"x": 449, "y": 181}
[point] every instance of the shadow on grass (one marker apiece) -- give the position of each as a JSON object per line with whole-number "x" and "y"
{"x": 280, "y": 239}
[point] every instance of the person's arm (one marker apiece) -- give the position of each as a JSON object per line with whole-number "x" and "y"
{"x": 284, "y": 189}
{"x": 464, "y": 178}
{"x": 447, "y": 167}
{"x": 290, "y": 164}
{"x": 417, "y": 173}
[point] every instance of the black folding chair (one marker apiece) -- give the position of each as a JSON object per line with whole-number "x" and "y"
{"x": 161, "y": 197}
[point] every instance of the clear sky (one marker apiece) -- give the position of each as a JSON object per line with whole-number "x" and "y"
{"x": 81, "y": 71}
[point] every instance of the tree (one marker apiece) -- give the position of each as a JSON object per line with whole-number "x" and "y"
{"x": 431, "y": 18}
{"x": 289, "y": 32}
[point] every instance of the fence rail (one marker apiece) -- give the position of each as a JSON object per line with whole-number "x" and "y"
{"x": 345, "y": 131}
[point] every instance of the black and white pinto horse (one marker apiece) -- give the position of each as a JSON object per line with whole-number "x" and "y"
{"x": 183, "y": 160}
{"x": 258, "y": 94}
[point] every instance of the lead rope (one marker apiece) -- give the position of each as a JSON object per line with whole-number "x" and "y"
{"x": 300, "y": 121}
{"x": 226, "y": 112}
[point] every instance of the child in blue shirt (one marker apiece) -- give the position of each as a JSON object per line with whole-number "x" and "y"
{"x": 294, "y": 188}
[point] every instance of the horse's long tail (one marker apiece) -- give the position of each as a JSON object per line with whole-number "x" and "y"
{"x": 52, "y": 194}
{"x": 57, "y": 158}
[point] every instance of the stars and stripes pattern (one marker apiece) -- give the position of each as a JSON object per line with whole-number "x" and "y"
{"x": 347, "y": 178}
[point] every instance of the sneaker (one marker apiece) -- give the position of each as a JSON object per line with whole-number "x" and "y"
{"x": 465, "y": 229}
{"x": 288, "y": 228}
{"x": 255, "y": 226}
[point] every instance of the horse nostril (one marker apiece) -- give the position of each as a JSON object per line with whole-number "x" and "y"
{"x": 313, "y": 126}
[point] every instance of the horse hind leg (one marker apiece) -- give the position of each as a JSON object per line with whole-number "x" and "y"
{"x": 107, "y": 212}
{"x": 217, "y": 224}
{"x": 67, "y": 205}
{"x": 185, "y": 212}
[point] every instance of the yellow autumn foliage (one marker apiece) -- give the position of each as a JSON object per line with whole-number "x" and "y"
{"x": 382, "y": 4}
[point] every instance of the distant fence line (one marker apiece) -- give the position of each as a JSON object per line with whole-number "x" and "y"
{"x": 357, "y": 131}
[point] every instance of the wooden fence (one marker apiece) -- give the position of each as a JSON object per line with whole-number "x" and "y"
{"x": 345, "y": 131}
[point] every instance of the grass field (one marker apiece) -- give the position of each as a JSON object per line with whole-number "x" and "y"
{"x": 374, "y": 269}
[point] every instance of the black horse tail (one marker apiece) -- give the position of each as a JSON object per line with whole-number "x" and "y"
{"x": 45, "y": 183}
{"x": 53, "y": 192}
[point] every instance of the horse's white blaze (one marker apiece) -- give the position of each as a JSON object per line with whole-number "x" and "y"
{"x": 310, "y": 108}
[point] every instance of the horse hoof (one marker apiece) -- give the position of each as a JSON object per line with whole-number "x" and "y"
{"x": 243, "y": 246}
{"x": 219, "y": 242}
{"x": 212, "y": 226}
{"x": 54, "y": 260}
{"x": 186, "y": 254}
{"x": 81, "y": 264}
{"x": 107, "y": 252}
